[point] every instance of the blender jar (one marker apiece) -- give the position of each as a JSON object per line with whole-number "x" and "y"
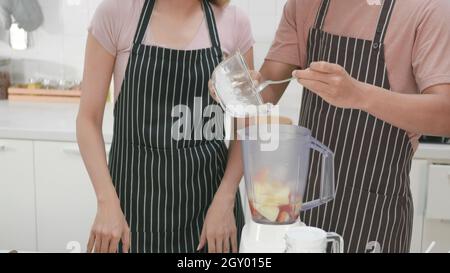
{"x": 276, "y": 178}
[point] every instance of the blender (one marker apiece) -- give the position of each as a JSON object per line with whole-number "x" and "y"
{"x": 275, "y": 181}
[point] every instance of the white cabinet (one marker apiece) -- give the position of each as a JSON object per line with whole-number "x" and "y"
{"x": 418, "y": 179}
{"x": 17, "y": 196}
{"x": 438, "y": 203}
{"x": 430, "y": 186}
{"x": 436, "y": 233}
{"x": 66, "y": 203}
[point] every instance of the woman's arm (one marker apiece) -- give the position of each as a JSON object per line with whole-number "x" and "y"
{"x": 110, "y": 225}
{"x": 219, "y": 229}
{"x": 234, "y": 170}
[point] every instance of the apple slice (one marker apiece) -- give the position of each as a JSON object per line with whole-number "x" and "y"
{"x": 269, "y": 212}
{"x": 263, "y": 189}
{"x": 271, "y": 194}
{"x": 283, "y": 217}
{"x": 278, "y": 196}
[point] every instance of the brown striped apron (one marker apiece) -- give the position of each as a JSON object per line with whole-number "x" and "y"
{"x": 165, "y": 185}
{"x": 373, "y": 208}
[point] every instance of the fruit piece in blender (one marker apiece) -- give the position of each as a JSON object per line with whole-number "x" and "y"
{"x": 255, "y": 214}
{"x": 271, "y": 193}
{"x": 282, "y": 214}
{"x": 262, "y": 176}
{"x": 268, "y": 197}
{"x": 298, "y": 205}
{"x": 269, "y": 212}
{"x": 283, "y": 217}
{"x": 293, "y": 209}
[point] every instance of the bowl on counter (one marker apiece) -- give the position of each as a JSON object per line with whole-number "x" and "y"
{"x": 5, "y": 79}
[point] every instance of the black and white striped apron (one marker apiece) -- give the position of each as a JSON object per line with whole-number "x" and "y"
{"x": 373, "y": 208}
{"x": 165, "y": 186}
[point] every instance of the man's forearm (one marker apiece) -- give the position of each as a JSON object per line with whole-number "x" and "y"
{"x": 422, "y": 114}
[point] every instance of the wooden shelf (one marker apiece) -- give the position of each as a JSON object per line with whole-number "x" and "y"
{"x": 43, "y": 95}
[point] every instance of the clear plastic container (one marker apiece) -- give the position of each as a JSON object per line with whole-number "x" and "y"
{"x": 235, "y": 88}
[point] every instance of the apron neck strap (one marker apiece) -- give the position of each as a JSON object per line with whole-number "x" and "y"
{"x": 383, "y": 21}
{"x": 321, "y": 14}
{"x": 146, "y": 13}
{"x": 212, "y": 26}
{"x": 144, "y": 20}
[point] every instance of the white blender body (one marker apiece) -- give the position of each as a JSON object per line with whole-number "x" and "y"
{"x": 275, "y": 179}
{"x": 264, "y": 238}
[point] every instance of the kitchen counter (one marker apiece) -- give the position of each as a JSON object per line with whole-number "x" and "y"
{"x": 57, "y": 122}
{"x": 433, "y": 151}
{"x": 45, "y": 121}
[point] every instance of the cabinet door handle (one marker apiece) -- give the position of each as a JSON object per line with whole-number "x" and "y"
{"x": 2, "y": 147}
{"x": 76, "y": 151}
{"x": 72, "y": 151}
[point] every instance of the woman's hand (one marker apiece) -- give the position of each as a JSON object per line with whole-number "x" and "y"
{"x": 219, "y": 229}
{"x": 333, "y": 84}
{"x": 212, "y": 91}
{"x": 110, "y": 227}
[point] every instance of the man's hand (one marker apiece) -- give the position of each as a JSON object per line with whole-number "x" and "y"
{"x": 332, "y": 83}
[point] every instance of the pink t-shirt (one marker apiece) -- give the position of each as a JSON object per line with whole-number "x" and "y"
{"x": 115, "y": 22}
{"x": 417, "y": 43}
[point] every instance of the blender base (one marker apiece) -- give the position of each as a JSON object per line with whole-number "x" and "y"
{"x": 262, "y": 238}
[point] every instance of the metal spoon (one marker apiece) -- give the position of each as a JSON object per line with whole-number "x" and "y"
{"x": 263, "y": 85}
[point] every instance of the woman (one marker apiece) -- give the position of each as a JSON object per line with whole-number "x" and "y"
{"x": 159, "y": 194}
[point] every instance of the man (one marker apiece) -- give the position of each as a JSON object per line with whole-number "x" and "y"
{"x": 376, "y": 76}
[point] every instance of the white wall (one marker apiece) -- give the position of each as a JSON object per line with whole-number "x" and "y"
{"x": 57, "y": 46}
{"x": 265, "y": 16}
{"x": 57, "y": 50}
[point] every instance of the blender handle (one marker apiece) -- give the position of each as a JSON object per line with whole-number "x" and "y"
{"x": 327, "y": 190}
{"x": 337, "y": 242}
